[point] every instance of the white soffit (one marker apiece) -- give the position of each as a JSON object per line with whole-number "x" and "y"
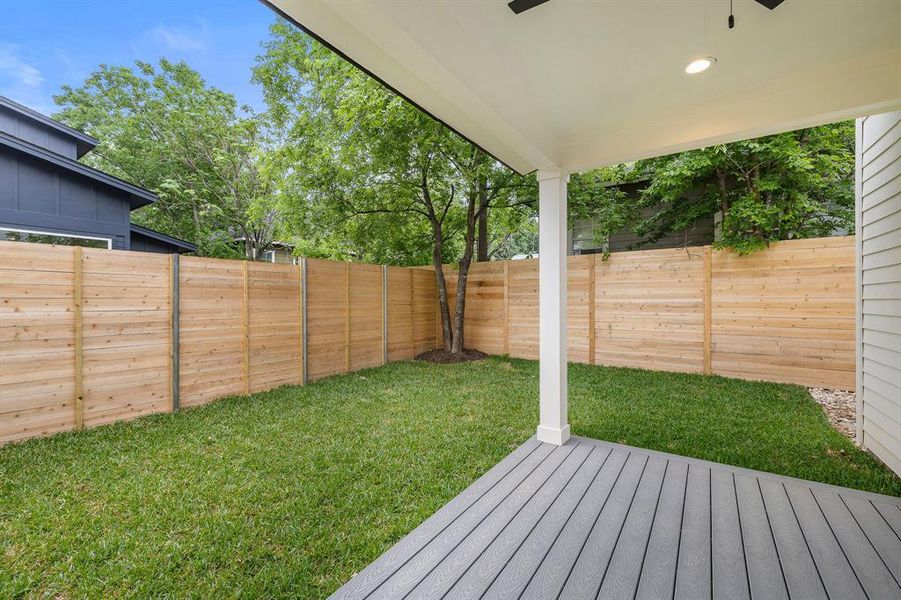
{"x": 574, "y": 85}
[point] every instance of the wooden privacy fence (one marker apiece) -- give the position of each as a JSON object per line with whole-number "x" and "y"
{"x": 782, "y": 314}
{"x": 92, "y": 336}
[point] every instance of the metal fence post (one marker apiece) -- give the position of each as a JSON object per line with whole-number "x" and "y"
{"x": 174, "y": 308}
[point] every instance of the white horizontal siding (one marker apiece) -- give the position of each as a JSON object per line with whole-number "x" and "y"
{"x": 879, "y": 286}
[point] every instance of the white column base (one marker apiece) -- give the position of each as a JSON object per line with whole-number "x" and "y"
{"x": 553, "y": 435}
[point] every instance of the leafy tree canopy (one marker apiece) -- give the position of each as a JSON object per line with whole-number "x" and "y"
{"x": 791, "y": 185}
{"x": 377, "y": 179}
{"x": 373, "y": 175}
{"x": 163, "y": 128}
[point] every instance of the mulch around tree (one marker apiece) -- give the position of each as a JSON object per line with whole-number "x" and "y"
{"x": 444, "y": 357}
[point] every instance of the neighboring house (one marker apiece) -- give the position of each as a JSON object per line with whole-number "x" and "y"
{"x": 584, "y": 237}
{"x": 47, "y": 196}
{"x": 278, "y": 252}
{"x": 281, "y": 253}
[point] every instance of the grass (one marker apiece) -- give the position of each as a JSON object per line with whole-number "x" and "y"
{"x": 289, "y": 492}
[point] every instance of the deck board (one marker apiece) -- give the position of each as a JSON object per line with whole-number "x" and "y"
{"x": 801, "y": 575}
{"x": 594, "y": 519}
{"x": 760, "y": 546}
{"x": 554, "y": 570}
{"x": 658, "y": 570}
{"x": 545, "y": 509}
{"x": 693, "y": 574}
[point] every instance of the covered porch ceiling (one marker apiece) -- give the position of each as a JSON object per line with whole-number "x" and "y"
{"x": 574, "y": 85}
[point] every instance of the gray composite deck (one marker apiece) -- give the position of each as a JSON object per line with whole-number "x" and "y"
{"x": 592, "y": 519}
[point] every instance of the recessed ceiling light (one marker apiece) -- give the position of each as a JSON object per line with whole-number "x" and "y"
{"x": 700, "y": 65}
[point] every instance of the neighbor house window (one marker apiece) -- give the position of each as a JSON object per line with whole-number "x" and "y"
{"x": 47, "y": 237}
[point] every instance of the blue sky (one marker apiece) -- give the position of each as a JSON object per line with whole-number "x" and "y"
{"x": 45, "y": 44}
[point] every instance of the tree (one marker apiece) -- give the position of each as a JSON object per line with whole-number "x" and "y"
{"x": 791, "y": 185}
{"x": 164, "y": 129}
{"x": 376, "y": 173}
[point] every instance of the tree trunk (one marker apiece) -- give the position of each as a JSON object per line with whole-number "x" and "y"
{"x": 724, "y": 192}
{"x": 441, "y": 284}
{"x": 483, "y": 220}
{"x": 438, "y": 262}
{"x": 463, "y": 274}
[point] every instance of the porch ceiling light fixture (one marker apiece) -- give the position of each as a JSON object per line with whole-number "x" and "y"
{"x": 700, "y": 65}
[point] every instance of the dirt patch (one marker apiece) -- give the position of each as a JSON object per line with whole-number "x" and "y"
{"x": 841, "y": 409}
{"x": 444, "y": 357}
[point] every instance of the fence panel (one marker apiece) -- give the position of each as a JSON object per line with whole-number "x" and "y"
{"x": 400, "y": 313}
{"x": 782, "y": 314}
{"x": 578, "y": 310}
{"x": 425, "y": 312}
{"x": 484, "y": 325}
{"x": 87, "y": 336}
{"x": 522, "y": 327}
{"x": 211, "y": 355}
{"x": 37, "y": 340}
{"x": 274, "y": 312}
{"x": 365, "y": 316}
{"x": 649, "y": 310}
{"x": 126, "y": 335}
{"x": 787, "y": 313}
{"x": 327, "y": 321}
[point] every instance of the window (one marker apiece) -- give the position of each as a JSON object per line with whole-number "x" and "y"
{"x": 60, "y": 239}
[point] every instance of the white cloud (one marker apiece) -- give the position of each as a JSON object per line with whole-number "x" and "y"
{"x": 22, "y": 81}
{"x": 179, "y": 38}
{"x": 14, "y": 68}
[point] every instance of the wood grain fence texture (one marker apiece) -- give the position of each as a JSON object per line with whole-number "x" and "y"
{"x": 86, "y": 335}
{"x": 783, "y": 314}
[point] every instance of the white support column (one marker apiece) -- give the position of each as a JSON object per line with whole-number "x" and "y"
{"x": 553, "y": 426}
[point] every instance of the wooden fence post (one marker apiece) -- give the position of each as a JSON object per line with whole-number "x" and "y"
{"x": 347, "y": 318}
{"x": 708, "y": 308}
{"x": 412, "y": 316}
{"x": 79, "y": 341}
{"x": 304, "y": 370}
{"x": 592, "y": 265}
{"x": 384, "y": 314}
{"x": 506, "y": 307}
{"x": 245, "y": 325}
{"x": 174, "y": 337}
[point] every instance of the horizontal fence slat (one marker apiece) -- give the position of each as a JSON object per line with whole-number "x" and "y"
{"x": 783, "y": 314}
{"x": 126, "y": 324}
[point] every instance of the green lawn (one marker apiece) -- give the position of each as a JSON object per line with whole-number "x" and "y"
{"x": 287, "y": 493}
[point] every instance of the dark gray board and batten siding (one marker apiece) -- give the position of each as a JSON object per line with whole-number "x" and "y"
{"x": 38, "y": 196}
{"x": 879, "y": 286}
{"x": 44, "y": 189}
{"x": 42, "y": 131}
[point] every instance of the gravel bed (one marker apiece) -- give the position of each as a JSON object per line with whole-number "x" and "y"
{"x": 840, "y": 407}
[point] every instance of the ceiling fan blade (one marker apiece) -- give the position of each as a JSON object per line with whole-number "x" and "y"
{"x": 770, "y": 4}
{"x": 519, "y": 6}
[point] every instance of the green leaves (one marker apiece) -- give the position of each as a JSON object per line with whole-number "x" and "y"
{"x": 372, "y": 176}
{"x": 163, "y": 128}
{"x": 786, "y": 186}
